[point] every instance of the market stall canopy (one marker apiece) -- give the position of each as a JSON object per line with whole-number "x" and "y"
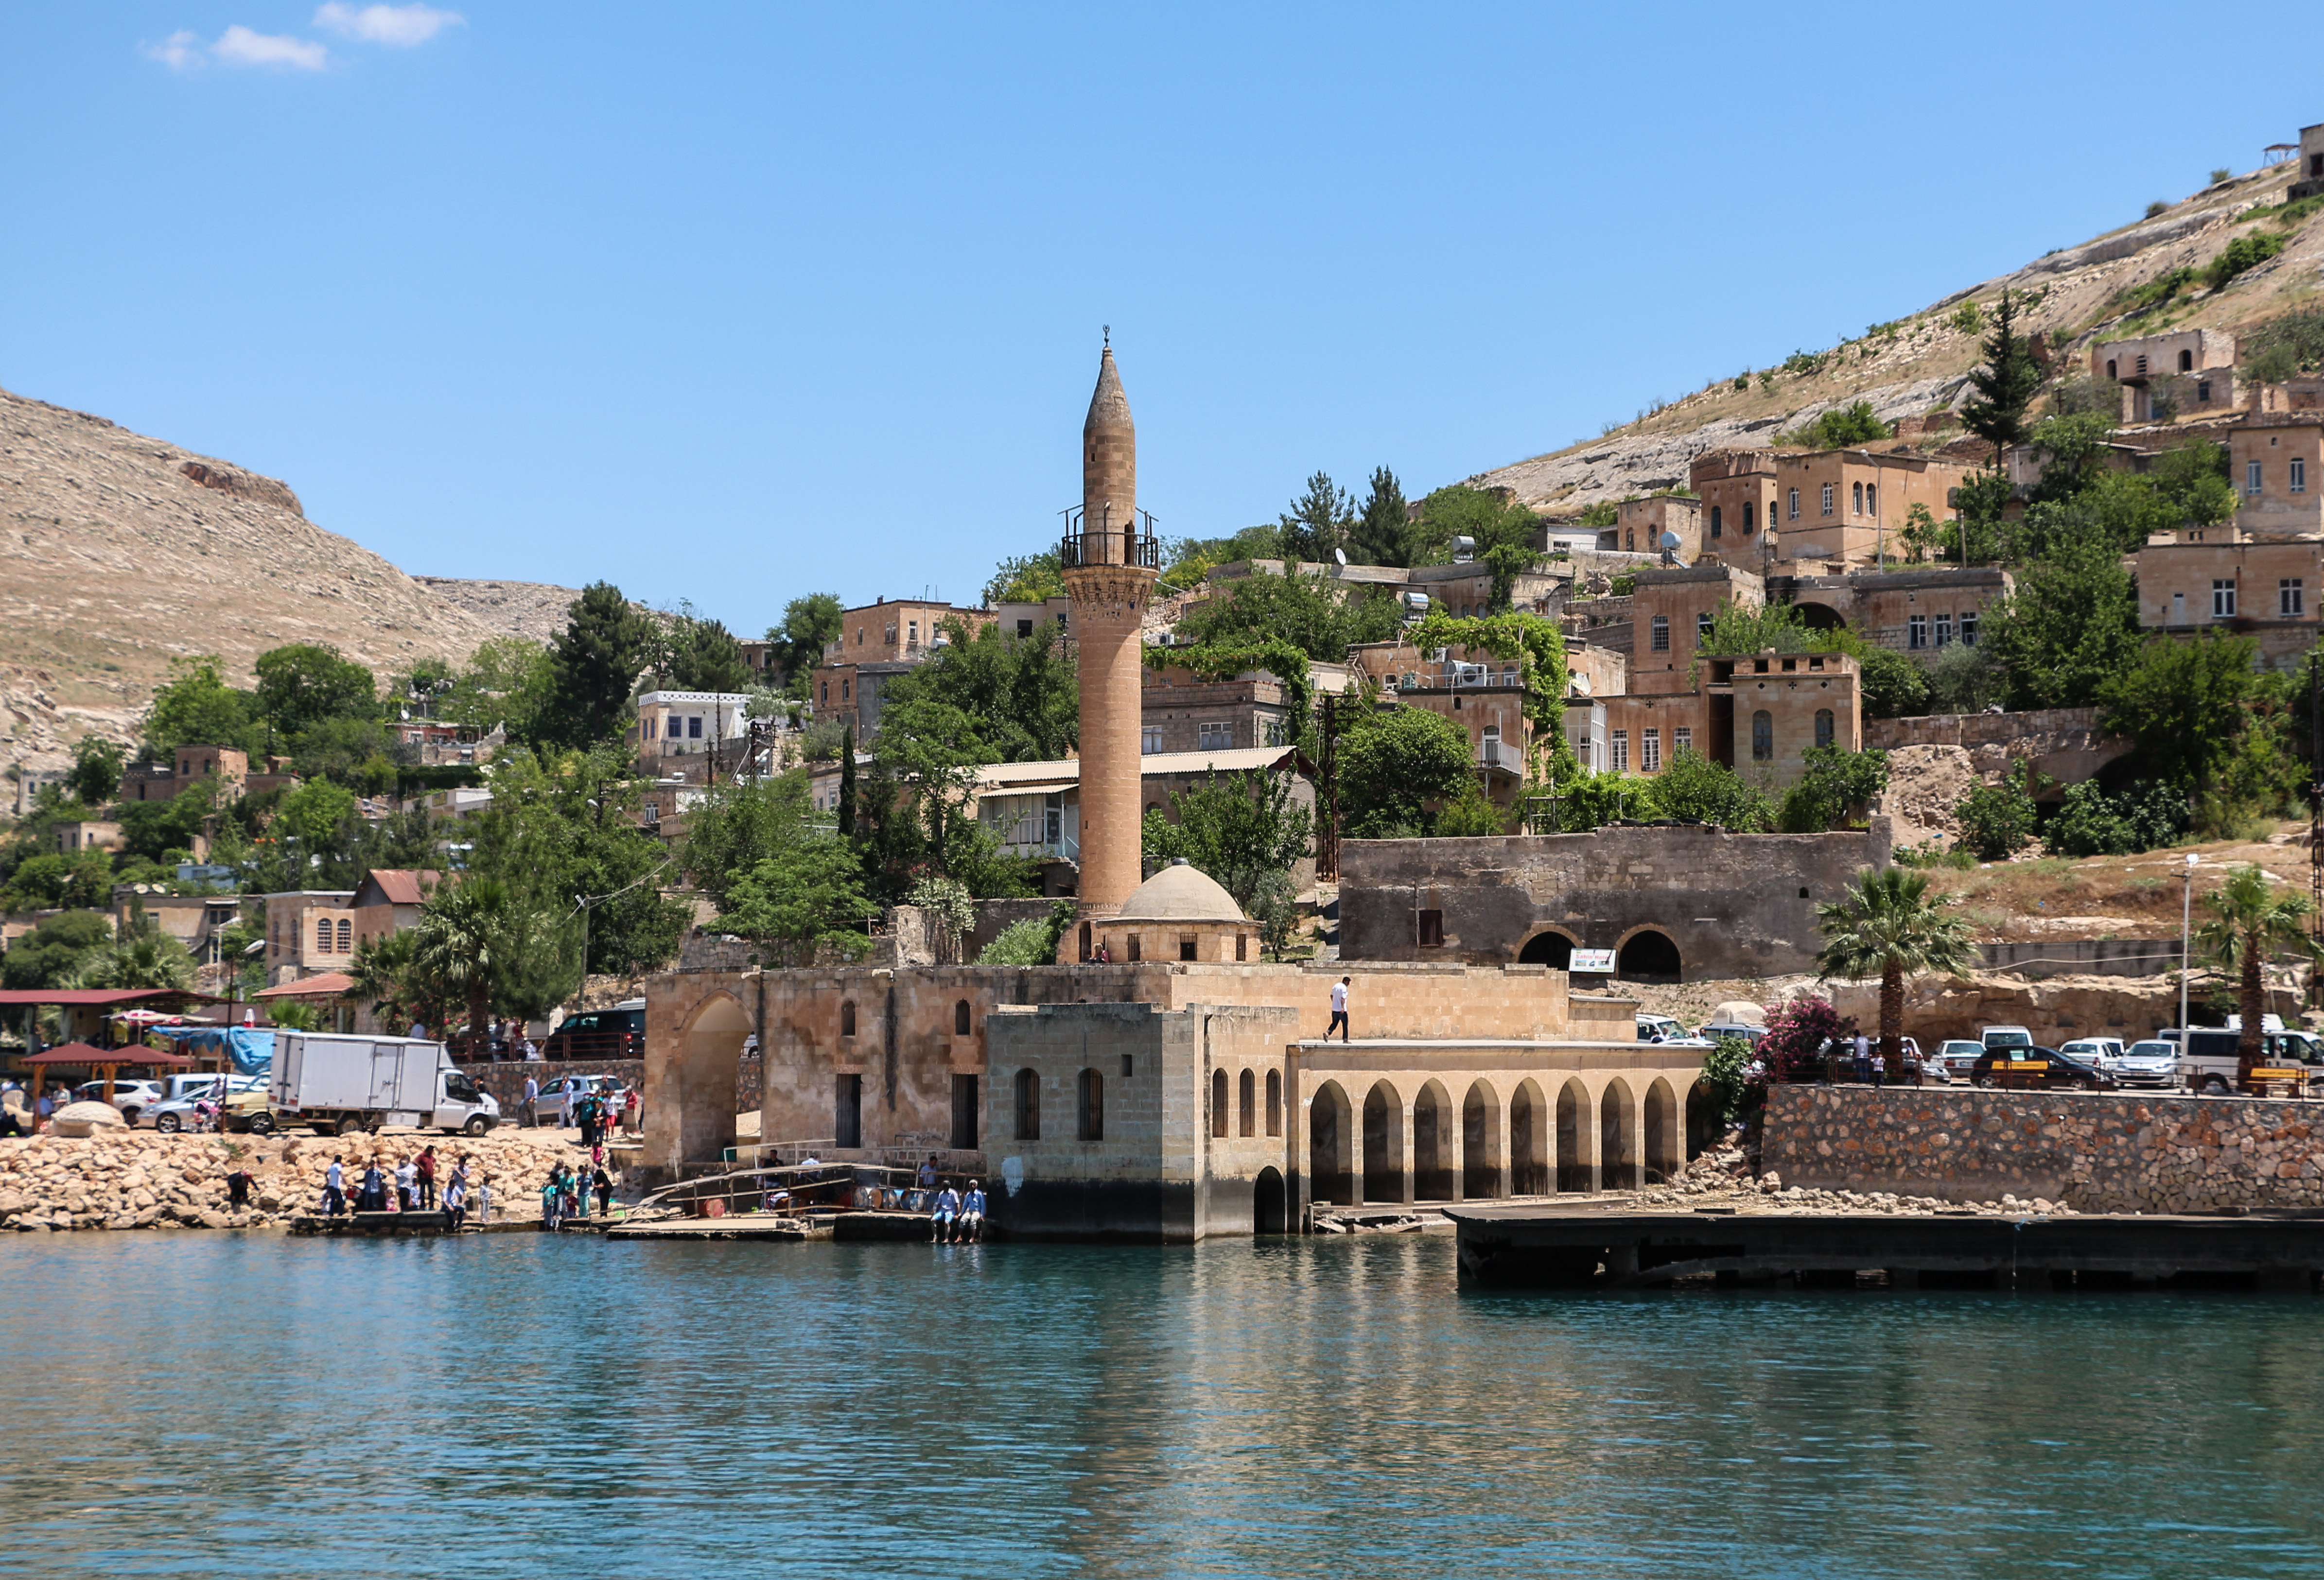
{"x": 326, "y": 985}
{"x": 81, "y": 1056}
{"x": 101, "y": 998}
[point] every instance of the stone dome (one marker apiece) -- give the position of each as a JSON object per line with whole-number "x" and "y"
{"x": 1178, "y": 893}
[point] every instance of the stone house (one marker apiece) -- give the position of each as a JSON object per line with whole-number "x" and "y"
{"x": 195, "y": 921}
{"x": 1919, "y": 610}
{"x": 391, "y": 899}
{"x": 685, "y": 723}
{"x": 192, "y": 765}
{"x": 2186, "y": 371}
{"x": 1739, "y": 492}
{"x": 308, "y": 932}
{"x": 2274, "y": 458}
{"x": 876, "y": 642}
{"x": 1766, "y": 711}
{"x": 1639, "y": 525}
{"x": 2221, "y": 578}
{"x": 66, "y": 839}
{"x": 1847, "y": 508}
{"x": 1181, "y": 712}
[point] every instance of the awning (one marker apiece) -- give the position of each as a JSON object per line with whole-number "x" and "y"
{"x": 81, "y": 1056}
{"x": 325, "y": 985}
{"x": 101, "y": 998}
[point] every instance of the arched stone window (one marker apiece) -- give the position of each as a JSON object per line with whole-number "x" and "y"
{"x": 1218, "y": 1103}
{"x": 1275, "y": 1102}
{"x": 1659, "y": 639}
{"x": 1246, "y": 1113}
{"x": 1716, "y": 530}
{"x": 960, "y": 1018}
{"x": 1823, "y": 726}
{"x": 847, "y": 1018}
{"x": 347, "y": 936}
{"x": 2110, "y": 373}
{"x": 2186, "y": 362}
{"x": 1763, "y": 737}
{"x": 1028, "y": 1106}
{"x": 1091, "y": 1087}
{"x": 322, "y": 935}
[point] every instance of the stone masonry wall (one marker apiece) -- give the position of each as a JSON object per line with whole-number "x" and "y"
{"x": 2095, "y": 1152}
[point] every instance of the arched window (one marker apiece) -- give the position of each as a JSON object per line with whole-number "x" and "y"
{"x": 1823, "y": 726}
{"x": 347, "y": 936}
{"x": 2110, "y": 373}
{"x": 1660, "y": 639}
{"x": 1763, "y": 737}
{"x": 1093, "y": 1105}
{"x": 847, "y": 1018}
{"x": 1275, "y": 1102}
{"x": 322, "y": 935}
{"x": 1218, "y": 1102}
{"x": 2186, "y": 362}
{"x": 1715, "y": 529}
{"x": 1248, "y": 1112}
{"x": 960, "y": 1018}
{"x": 1749, "y": 508}
{"x": 1028, "y": 1106}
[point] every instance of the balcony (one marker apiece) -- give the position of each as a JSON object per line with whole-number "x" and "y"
{"x": 1127, "y": 547}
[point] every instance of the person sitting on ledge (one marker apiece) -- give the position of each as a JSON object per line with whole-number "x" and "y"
{"x": 972, "y": 1213}
{"x": 947, "y": 1210}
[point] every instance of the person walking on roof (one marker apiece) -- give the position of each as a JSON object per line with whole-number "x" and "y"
{"x": 1339, "y": 1011}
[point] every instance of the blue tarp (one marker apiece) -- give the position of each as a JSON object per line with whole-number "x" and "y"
{"x": 252, "y": 1050}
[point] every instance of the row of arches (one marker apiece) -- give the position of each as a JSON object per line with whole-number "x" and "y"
{"x": 1618, "y": 1141}
{"x": 1646, "y": 954}
{"x": 1243, "y": 1115}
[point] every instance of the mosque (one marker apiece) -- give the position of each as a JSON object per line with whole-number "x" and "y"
{"x": 1159, "y": 1083}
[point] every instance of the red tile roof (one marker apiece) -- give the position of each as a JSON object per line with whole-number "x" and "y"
{"x": 324, "y": 985}
{"x": 80, "y": 1055}
{"x": 401, "y": 886}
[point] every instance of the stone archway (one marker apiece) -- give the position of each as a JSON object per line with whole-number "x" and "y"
{"x": 1660, "y": 1139}
{"x": 1384, "y": 1160}
{"x": 1432, "y": 1144}
{"x": 1574, "y": 1114}
{"x": 1551, "y": 947}
{"x": 1647, "y": 954}
{"x": 1481, "y": 1143}
{"x": 699, "y": 1124}
{"x": 1617, "y": 1139}
{"x": 1267, "y": 1203}
{"x": 1530, "y": 1141}
{"x": 1701, "y": 1127}
{"x": 1330, "y": 1162}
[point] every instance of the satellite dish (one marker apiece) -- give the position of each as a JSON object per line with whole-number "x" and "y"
{"x": 1341, "y": 554}
{"x": 1671, "y": 540}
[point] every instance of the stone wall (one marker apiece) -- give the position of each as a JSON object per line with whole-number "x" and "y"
{"x": 2087, "y": 956}
{"x": 2065, "y": 744}
{"x": 2095, "y": 1151}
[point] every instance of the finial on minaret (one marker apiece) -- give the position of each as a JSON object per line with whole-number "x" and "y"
{"x": 1108, "y": 331}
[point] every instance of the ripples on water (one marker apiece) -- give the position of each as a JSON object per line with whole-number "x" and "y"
{"x": 521, "y": 1406}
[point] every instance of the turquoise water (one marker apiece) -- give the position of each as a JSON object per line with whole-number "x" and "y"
{"x": 513, "y": 1405}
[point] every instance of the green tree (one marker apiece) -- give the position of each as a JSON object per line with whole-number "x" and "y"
{"x": 150, "y": 958}
{"x": 1032, "y": 941}
{"x": 2249, "y": 924}
{"x": 1591, "y": 801}
{"x": 1032, "y": 578}
{"x": 2072, "y": 451}
{"x": 1381, "y": 533}
{"x": 1305, "y": 611}
{"x": 1393, "y": 765}
{"x": 1318, "y": 521}
{"x": 595, "y": 663}
{"x": 1482, "y": 515}
{"x": 1893, "y": 686}
{"x": 847, "y": 783}
{"x": 2183, "y": 703}
{"x": 54, "y": 952}
{"x": 2005, "y": 384}
{"x": 313, "y": 814}
{"x": 702, "y": 655}
{"x": 1963, "y": 680}
{"x": 305, "y": 683}
{"x": 384, "y": 974}
{"x": 806, "y": 899}
{"x": 737, "y": 826}
{"x": 164, "y": 831}
{"x": 1996, "y": 820}
{"x": 1838, "y": 426}
{"x": 95, "y": 777}
{"x": 1022, "y": 691}
{"x": 1695, "y": 789}
{"x": 51, "y": 881}
{"x": 809, "y": 621}
{"x": 494, "y": 947}
{"x": 505, "y": 685}
{"x": 1887, "y": 924}
{"x": 196, "y": 707}
{"x": 1836, "y": 785}
{"x": 2070, "y": 625}
{"x": 1236, "y": 830}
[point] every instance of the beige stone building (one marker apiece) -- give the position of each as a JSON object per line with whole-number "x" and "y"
{"x": 1739, "y": 492}
{"x": 2221, "y": 579}
{"x": 308, "y": 932}
{"x": 1766, "y": 711}
{"x": 877, "y": 642}
{"x": 1848, "y": 508}
{"x": 1639, "y": 525}
{"x": 2274, "y": 458}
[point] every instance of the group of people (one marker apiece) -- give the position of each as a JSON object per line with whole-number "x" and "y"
{"x": 567, "y": 1191}
{"x": 596, "y": 1113}
{"x": 959, "y": 1217}
{"x": 411, "y": 1187}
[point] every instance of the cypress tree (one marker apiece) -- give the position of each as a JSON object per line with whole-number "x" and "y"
{"x": 594, "y": 664}
{"x": 847, "y": 784}
{"x": 2005, "y": 385}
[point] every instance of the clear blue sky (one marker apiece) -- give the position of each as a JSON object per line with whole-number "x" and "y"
{"x": 732, "y": 302}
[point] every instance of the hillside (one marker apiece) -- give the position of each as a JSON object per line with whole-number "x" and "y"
{"x": 535, "y": 611}
{"x": 1917, "y": 364}
{"x": 119, "y": 553}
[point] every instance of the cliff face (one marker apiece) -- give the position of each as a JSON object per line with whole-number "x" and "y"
{"x": 1917, "y": 366}
{"x": 119, "y": 553}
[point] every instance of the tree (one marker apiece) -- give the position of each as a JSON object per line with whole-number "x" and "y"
{"x": 312, "y": 814}
{"x": 702, "y": 655}
{"x": 1482, "y": 515}
{"x": 1588, "y": 801}
{"x": 491, "y": 946}
{"x": 847, "y": 783}
{"x": 1799, "y": 1031}
{"x": 1022, "y": 691}
{"x": 806, "y": 898}
{"x": 1963, "y": 680}
{"x": 1838, "y": 428}
{"x": 1996, "y": 820}
{"x": 1837, "y": 785}
{"x": 2183, "y": 703}
{"x": 55, "y": 949}
{"x": 196, "y": 707}
{"x": 738, "y": 826}
{"x": 2070, "y": 625}
{"x": 595, "y": 663}
{"x": 1236, "y": 830}
{"x": 506, "y": 686}
{"x": 1033, "y": 578}
{"x": 2090, "y": 822}
{"x": 95, "y": 777}
{"x": 1393, "y": 765}
{"x": 53, "y": 881}
{"x": 1380, "y": 535}
{"x": 1695, "y": 789}
{"x": 1891, "y": 686}
{"x": 2249, "y": 923}
{"x": 1886, "y": 925}
{"x": 809, "y": 621}
{"x": 305, "y": 683}
{"x": 384, "y": 974}
{"x": 150, "y": 958}
{"x": 1318, "y": 521}
{"x": 1032, "y": 941}
{"x": 2005, "y": 384}
{"x": 1305, "y": 611}
{"x": 2072, "y": 450}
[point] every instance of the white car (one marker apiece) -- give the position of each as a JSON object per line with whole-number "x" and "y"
{"x": 2152, "y": 1063}
{"x": 172, "y": 1114}
{"x": 132, "y": 1097}
{"x": 1958, "y": 1058}
{"x": 2101, "y": 1052}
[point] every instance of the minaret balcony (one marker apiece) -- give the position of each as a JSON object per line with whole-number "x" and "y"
{"x": 1125, "y": 547}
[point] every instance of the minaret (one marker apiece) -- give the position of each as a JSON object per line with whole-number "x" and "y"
{"x": 1110, "y": 566}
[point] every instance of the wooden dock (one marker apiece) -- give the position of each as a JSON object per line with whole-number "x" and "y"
{"x": 1608, "y": 1246}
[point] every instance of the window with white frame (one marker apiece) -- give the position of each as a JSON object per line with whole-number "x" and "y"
{"x": 1871, "y": 499}
{"x": 1968, "y": 630}
{"x": 1794, "y": 502}
{"x": 1681, "y": 739}
{"x": 1916, "y": 631}
{"x": 1827, "y": 498}
{"x": 1856, "y": 497}
{"x": 2290, "y": 596}
{"x": 2296, "y": 472}
{"x": 2251, "y": 477}
{"x": 1650, "y": 751}
{"x": 1215, "y": 736}
{"x": 1150, "y": 740}
{"x": 2222, "y": 600}
{"x": 1621, "y": 751}
{"x": 1945, "y": 630}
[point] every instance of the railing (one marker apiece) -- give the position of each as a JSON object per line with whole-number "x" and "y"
{"x": 1100, "y": 548}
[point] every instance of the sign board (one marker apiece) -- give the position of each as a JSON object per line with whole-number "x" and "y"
{"x": 1592, "y": 959}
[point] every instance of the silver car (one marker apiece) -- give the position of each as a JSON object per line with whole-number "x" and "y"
{"x": 1958, "y": 1058}
{"x": 172, "y": 1114}
{"x": 2147, "y": 1064}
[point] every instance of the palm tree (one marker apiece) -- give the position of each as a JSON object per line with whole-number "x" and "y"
{"x": 2248, "y": 925}
{"x": 152, "y": 958}
{"x": 1888, "y": 923}
{"x": 458, "y": 945}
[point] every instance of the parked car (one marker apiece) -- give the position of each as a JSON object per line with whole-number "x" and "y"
{"x": 1712, "y": 1031}
{"x": 1958, "y": 1058}
{"x": 619, "y": 1032}
{"x": 552, "y": 1092}
{"x": 2101, "y": 1052}
{"x": 174, "y": 1114}
{"x": 2005, "y": 1037}
{"x": 2011, "y": 1066}
{"x": 2149, "y": 1064}
{"x": 2212, "y": 1060}
{"x": 132, "y": 1097}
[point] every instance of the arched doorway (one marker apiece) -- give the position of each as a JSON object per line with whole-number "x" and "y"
{"x": 1660, "y": 1140}
{"x": 1701, "y": 1127}
{"x": 1648, "y": 956}
{"x": 1383, "y": 1144}
{"x": 1330, "y": 1160}
{"x": 1617, "y": 1139}
{"x": 1553, "y": 949}
{"x": 710, "y": 1052}
{"x": 1266, "y": 1211}
{"x": 1818, "y": 617}
{"x": 1480, "y": 1140}
{"x": 1528, "y": 1141}
{"x": 1432, "y": 1149}
{"x": 1574, "y": 1170}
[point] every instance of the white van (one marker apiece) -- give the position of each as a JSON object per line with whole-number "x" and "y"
{"x": 2005, "y": 1037}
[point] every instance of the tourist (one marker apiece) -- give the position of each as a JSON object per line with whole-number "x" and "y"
{"x": 456, "y": 1202}
{"x": 972, "y": 1213}
{"x": 928, "y": 1174}
{"x": 947, "y": 1211}
{"x": 1880, "y": 1065}
{"x": 526, "y": 1048}
{"x": 372, "y": 1195}
{"x": 633, "y": 1107}
{"x": 584, "y": 1114}
{"x": 1339, "y": 1011}
{"x": 335, "y": 1195}
{"x": 552, "y": 1199}
{"x": 526, "y": 1113}
{"x": 43, "y": 1106}
{"x": 424, "y": 1178}
{"x": 1863, "y": 1058}
{"x": 407, "y": 1185}
{"x": 419, "y": 1032}
{"x": 576, "y": 1193}
{"x": 603, "y": 1184}
{"x": 483, "y": 1197}
{"x": 565, "y": 1107}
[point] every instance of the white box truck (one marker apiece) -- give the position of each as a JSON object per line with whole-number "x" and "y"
{"x": 335, "y": 1083}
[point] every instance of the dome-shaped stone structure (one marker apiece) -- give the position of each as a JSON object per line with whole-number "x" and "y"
{"x": 1180, "y": 892}
{"x": 1178, "y": 915}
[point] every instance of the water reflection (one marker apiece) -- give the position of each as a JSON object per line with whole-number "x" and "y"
{"x": 514, "y": 1406}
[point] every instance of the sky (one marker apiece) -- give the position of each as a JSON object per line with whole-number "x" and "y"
{"x": 728, "y": 303}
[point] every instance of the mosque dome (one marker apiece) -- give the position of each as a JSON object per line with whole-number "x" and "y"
{"x": 1178, "y": 893}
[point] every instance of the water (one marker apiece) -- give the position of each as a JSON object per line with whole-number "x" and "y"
{"x": 522, "y": 1406}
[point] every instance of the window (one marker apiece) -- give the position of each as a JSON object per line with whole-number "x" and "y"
{"x": 1219, "y": 1104}
{"x": 1093, "y": 1105}
{"x": 1242, "y": 946}
{"x": 847, "y": 1018}
{"x": 1137, "y": 946}
{"x": 963, "y": 1113}
{"x": 1945, "y": 630}
{"x": 1247, "y": 1109}
{"x": 1150, "y": 740}
{"x": 2110, "y": 372}
{"x": 1763, "y": 737}
{"x": 1795, "y": 503}
{"x": 1650, "y": 751}
{"x": 1828, "y": 489}
{"x": 827, "y": 693}
{"x": 2290, "y": 597}
{"x": 1186, "y": 947}
{"x": 1701, "y": 627}
{"x": 1871, "y": 499}
{"x": 2141, "y": 362}
{"x": 847, "y": 1111}
{"x": 915, "y": 626}
{"x": 1916, "y": 631}
{"x": 1024, "y": 627}
{"x": 2251, "y": 477}
{"x": 1856, "y": 493}
{"x": 1216, "y": 737}
{"x": 1681, "y": 739}
{"x": 2296, "y": 476}
{"x": 2222, "y": 600}
{"x": 1823, "y": 726}
{"x": 694, "y": 727}
{"x": 1028, "y": 1106}
{"x": 1275, "y": 1102}
{"x": 1431, "y": 930}
{"x": 2203, "y": 391}
{"x": 1621, "y": 751}
{"x": 846, "y": 690}
{"x": 2186, "y": 362}
{"x": 1660, "y": 639}
{"x": 1632, "y": 547}
{"x": 1716, "y": 530}
{"x": 960, "y": 1018}
{"x": 322, "y": 935}
{"x": 1968, "y": 630}
{"x": 347, "y": 936}
{"x": 1746, "y": 517}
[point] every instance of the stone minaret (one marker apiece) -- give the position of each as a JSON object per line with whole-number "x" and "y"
{"x": 1110, "y": 570}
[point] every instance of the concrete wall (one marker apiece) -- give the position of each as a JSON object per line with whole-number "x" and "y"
{"x": 2083, "y": 957}
{"x": 1735, "y": 904}
{"x": 2095, "y": 1152}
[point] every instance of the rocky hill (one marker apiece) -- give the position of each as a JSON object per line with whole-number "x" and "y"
{"x": 1917, "y": 366}
{"x": 535, "y": 611}
{"x": 119, "y": 553}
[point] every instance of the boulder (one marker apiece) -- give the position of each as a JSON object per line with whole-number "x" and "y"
{"x": 81, "y": 1120}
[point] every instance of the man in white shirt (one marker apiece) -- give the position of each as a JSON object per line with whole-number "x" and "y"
{"x": 526, "y": 1114}
{"x": 1339, "y": 1011}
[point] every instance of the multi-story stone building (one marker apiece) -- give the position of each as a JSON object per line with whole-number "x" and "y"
{"x": 308, "y": 932}
{"x": 877, "y": 642}
{"x": 2220, "y": 578}
{"x": 1850, "y": 508}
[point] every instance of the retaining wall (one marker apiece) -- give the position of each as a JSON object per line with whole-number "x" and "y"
{"x": 2095, "y": 1152}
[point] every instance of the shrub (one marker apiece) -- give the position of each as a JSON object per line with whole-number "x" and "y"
{"x": 1853, "y": 424}
{"x": 1963, "y": 680}
{"x": 2091, "y": 823}
{"x": 1997, "y": 820}
{"x": 2222, "y": 174}
{"x": 2157, "y": 206}
{"x": 1020, "y": 943}
{"x": 2244, "y": 253}
{"x": 1694, "y": 787}
{"x": 1797, "y": 1034}
{"x": 1726, "y": 1079}
{"x": 1838, "y": 784}
{"x": 1966, "y": 319}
